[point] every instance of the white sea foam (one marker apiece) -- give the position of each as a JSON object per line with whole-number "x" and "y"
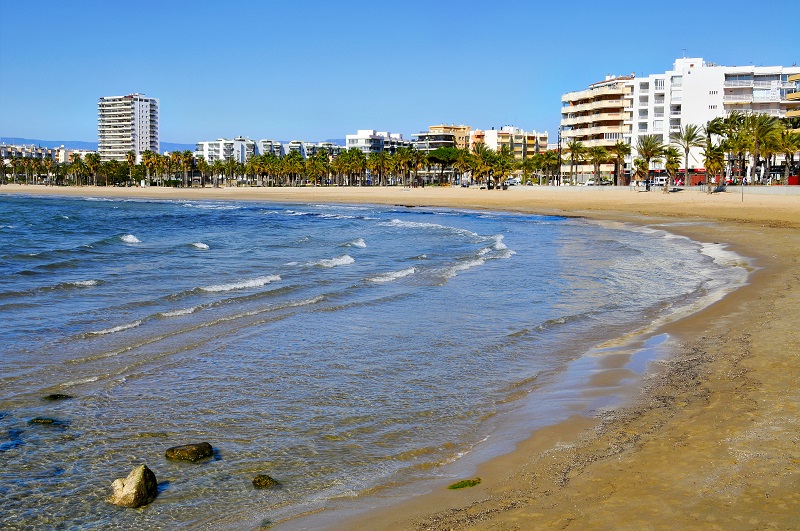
{"x": 81, "y": 381}
{"x": 212, "y": 206}
{"x": 200, "y": 245}
{"x": 358, "y": 242}
{"x": 345, "y": 259}
{"x": 498, "y": 243}
{"x": 130, "y": 238}
{"x": 116, "y": 329}
{"x": 392, "y": 275}
{"x": 177, "y": 313}
{"x": 251, "y": 283}
{"x": 452, "y": 271}
{"x": 83, "y": 283}
{"x": 424, "y": 225}
{"x": 722, "y": 256}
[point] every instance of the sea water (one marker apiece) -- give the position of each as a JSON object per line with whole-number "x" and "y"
{"x": 336, "y": 348}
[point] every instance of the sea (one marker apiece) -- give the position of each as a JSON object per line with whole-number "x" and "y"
{"x": 340, "y": 349}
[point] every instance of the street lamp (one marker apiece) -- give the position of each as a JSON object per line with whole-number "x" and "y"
{"x": 558, "y": 178}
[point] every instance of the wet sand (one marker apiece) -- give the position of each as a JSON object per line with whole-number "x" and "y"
{"x": 712, "y": 440}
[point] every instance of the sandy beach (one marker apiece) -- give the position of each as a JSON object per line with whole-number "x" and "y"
{"x": 710, "y": 442}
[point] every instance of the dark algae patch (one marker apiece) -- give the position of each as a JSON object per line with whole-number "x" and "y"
{"x": 466, "y": 483}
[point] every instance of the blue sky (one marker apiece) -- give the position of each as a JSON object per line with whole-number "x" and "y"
{"x": 318, "y": 70}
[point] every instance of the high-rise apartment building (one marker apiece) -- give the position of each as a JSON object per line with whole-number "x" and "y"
{"x": 596, "y": 116}
{"x": 127, "y": 123}
{"x": 693, "y": 92}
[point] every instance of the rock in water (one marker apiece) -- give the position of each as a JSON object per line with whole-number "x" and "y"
{"x": 190, "y": 452}
{"x": 139, "y": 488}
{"x": 55, "y": 397}
{"x": 263, "y": 481}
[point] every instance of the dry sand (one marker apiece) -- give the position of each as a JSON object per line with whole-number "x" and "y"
{"x": 712, "y": 442}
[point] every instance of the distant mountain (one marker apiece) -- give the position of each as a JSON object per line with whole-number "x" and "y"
{"x": 80, "y": 144}
{"x": 70, "y": 144}
{"x": 338, "y": 141}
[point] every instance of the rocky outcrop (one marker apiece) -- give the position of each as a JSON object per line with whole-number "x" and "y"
{"x": 263, "y": 481}
{"x": 190, "y": 452}
{"x": 139, "y": 488}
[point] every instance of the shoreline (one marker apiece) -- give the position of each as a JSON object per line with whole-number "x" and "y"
{"x": 709, "y": 440}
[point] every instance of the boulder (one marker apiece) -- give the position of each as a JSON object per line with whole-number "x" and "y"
{"x": 55, "y": 397}
{"x": 47, "y": 421}
{"x": 139, "y": 488}
{"x": 263, "y": 481}
{"x": 190, "y": 452}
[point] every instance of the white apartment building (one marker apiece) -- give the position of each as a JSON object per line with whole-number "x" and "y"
{"x": 695, "y": 92}
{"x": 270, "y": 146}
{"x": 239, "y": 149}
{"x": 372, "y": 141}
{"x": 127, "y": 123}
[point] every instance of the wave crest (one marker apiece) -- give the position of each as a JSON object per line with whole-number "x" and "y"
{"x": 392, "y": 275}
{"x": 251, "y": 283}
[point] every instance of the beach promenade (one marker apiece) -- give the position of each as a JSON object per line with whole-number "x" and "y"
{"x": 711, "y": 441}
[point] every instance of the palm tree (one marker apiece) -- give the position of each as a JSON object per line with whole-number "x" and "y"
{"x": 714, "y": 161}
{"x": 217, "y": 169}
{"x": 377, "y": 164}
{"x": 203, "y": 167}
{"x": 762, "y": 128}
{"x": 48, "y": 166}
{"x": 150, "y": 161}
{"x": 672, "y": 162}
{"x": 641, "y": 169}
{"x": 462, "y": 163}
{"x": 529, "y": 165}
{"x": 77, "y": 166}
{"x": 130, "y": 158}
{"x": 3, "y": 170}
{"x": 92, "y": 161}
{"x": 418, "y": 160}
{"x": 576, "y": 151}
{"x": 620, "y": 150}
{"x": 187, "y": 161}
{"x": 503, "y": 164}
{"x": 403, "y": 158}
{"x": 483, "y": 161}
{"x": 788, "y": 144}
{"x": 687, "y": 138}
{"x": 649, "y": 148}
{"x": 597, "y": 155}
{"x": 551, "y": 163}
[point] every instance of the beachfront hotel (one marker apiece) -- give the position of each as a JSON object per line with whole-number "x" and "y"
{"x": 127, "y": 123}
{"x": 693, "y": 92}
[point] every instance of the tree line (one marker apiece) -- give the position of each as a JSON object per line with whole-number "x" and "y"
{"x": 407, "y": 166}
{"x": 737, "y": 141}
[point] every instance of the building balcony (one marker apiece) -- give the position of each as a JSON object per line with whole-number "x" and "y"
{"x": 793, "y": 96}
{"x": 737, "y": 98}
